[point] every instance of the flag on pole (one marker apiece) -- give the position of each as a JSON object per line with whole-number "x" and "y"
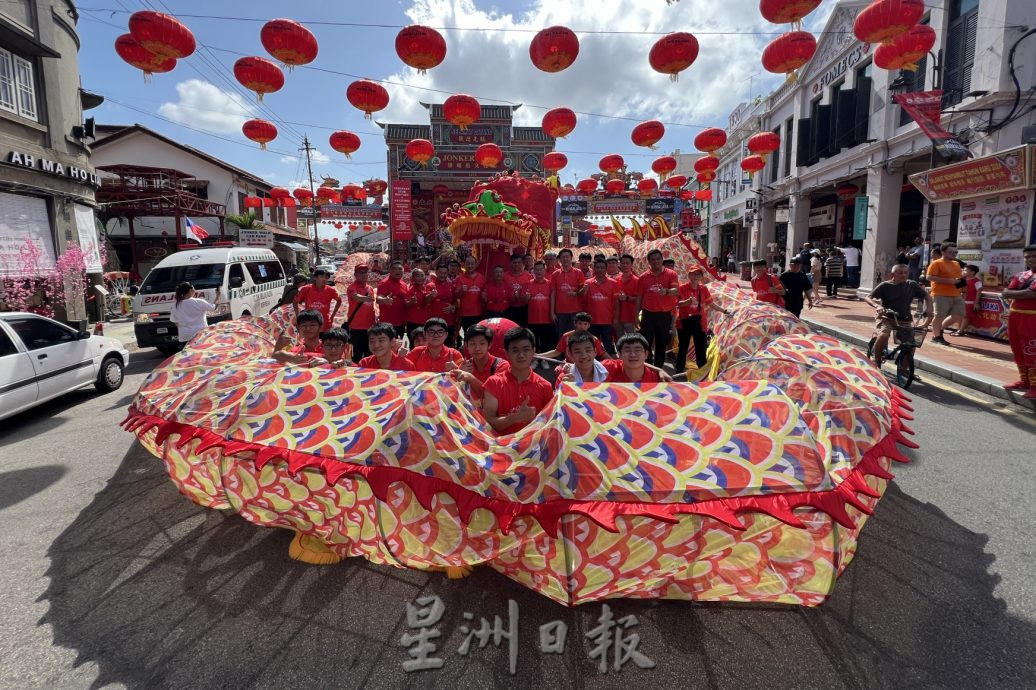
{"x": 194, "y": 232}
{"x": 620, "y": 231}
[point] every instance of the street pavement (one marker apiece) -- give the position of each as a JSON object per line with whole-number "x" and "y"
{"x": 113, "y": 579}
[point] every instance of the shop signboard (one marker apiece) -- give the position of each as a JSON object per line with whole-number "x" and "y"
{"x": 255, "y": 238}
{"x": 574, "y": 207}
{"x": 609, "y": 206}
{"x": 992, "y": 231}
{"x": 401, "y": 211}
{"x": 731, "y": 214}
{"x": 822, "y": 216}
{"x": 659, "y": 206}
{"x": 371, "y": 212}
{"x": 860, "y": 218}
{"x": 1002, "y": 172}
{"x": 307, "y": 212}
{"x": 781, "y": 215}
{"x": 474, "y": 134}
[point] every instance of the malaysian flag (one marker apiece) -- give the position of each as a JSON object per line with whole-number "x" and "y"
{"x": 195, "y": 232}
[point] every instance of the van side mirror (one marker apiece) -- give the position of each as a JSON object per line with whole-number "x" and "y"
{"x": 236, "y": 281}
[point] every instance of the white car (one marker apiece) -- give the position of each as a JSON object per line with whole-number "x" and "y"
{"x": 41, "y": 359}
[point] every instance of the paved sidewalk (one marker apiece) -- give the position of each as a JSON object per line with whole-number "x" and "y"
{"x": 122, "y": 330}
{"x": 980, "y": 363}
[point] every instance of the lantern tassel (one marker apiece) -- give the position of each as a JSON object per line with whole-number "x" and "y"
{"x": 367, "y": 116}
{"x": 258, "y": 96}
{"x": 793, "y": 76}
{"x": 674, "y": 78}
{"x": 262, "y": 145}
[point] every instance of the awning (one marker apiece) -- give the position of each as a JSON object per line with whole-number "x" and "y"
{"x": 22, "y": 41}
{"x": 294, "y": 246}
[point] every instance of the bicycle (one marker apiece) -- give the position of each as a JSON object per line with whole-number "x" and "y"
{"x": 908, "y": 338}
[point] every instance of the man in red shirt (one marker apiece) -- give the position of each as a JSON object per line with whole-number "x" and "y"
{"x": 513, "y": 399}
{"x": 435, "y": 356}
{"x": 550, "y": 260}
{"x": 319, "y": 296}
{"x": 443, "y": 305}
{"x": 659, "y": 290}
{"x": 518, "y": 280}
{"x": 528, "y": 261}
{"x": 632, "y": 366}
{"x": 382, "y": 338}
{"x": 482, "y": 365}
{"x": 629, "y": 296}
{"x": 469, "y": 288}
{"x": 766, "y": 286}
{"x": 392, "y": 297}
{"x": 613, "y": 271}
{"x": 602, "y": 303}
{"x": 540, "y": 322}
{"x": 497, "y": 295}
{"x": 694, "y": 324}
{"x": 566, "y": 292}
{"x": 585, "y": 261}
{"x": 418, "y": 298}
{"x": 361, "y": 312}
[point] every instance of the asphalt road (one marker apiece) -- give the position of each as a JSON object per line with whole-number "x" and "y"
{"x": 110, "y": 577}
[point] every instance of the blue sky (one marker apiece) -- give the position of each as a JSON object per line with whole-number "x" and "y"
{"x": 201, "y": 104}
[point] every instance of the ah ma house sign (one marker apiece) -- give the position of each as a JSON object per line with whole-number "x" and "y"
{"x": 71, "y": 172}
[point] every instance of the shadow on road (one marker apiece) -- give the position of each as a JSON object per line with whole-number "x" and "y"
{"x": 158, "y": 592}
{"x": 18, "y": 485}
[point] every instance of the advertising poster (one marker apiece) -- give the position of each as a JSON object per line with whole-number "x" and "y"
{"x": 991, "y": 233}
{"x": 401, "y": 211}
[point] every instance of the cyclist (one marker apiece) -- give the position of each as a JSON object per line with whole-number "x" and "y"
{"x": 895, "y": 295}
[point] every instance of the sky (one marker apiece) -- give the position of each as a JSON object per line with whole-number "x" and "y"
{"x": 201, "y": 104}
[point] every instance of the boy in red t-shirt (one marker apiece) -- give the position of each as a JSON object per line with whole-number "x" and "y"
{"x": 540, "y": 322}
{"x": 766, "y": 286}
{"x": 629, "y": 295}
{"x": 518, "y": 280}
{"x": 512, "y": 399}
{"x": 418, "y": 299}
{"x": 582, "y": 323}
{"x": 435, "y": 356}
{"x": 972, "y": 291}
{"x": 443, "y": 301}
{"x": 482, "y": 365}
{"x": 382, "y": 338}
{"x": 693, "y": 323}
{"x": 632, "y": 366}
{"x": 361, "y": 311}
{"x": 602, "y": 303}
{"x": 319, "y": 296}
{"x": 392, "y": 297}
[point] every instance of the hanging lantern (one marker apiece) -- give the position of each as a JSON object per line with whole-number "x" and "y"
{"x": 559, "y": 122}
{"x": 259, "y": 75}
{"x": 440, "y": 191}
{"x": 611, "y": 163}
{"x": 786, "y": 11}
{"x": 289, "y": 42}
{"x": 354, "y": 192}
{"x": 883, "y": 20}
{"x": 648, "y": 133}
{"x": 752, "y": 164}
{"x": 706, "y": 164}
{"x": 344, "y": 142}
{"x": 710, "y": 140}
{"x": 303, "y": 196}
{"x": 567, "y": 190}
{"x": 269, "y": 202}
{"x": 353, "y": 227}
{"x": 260, "y": 131}
{"x": 420, "y": 151}
{"x": 554, "y": 161}
{"x": 676, "y": 181}
{"x": 788, "y": 52}
{"x": 615, "y": 186}
{"x": 279, "y": 193}
{"x": 587, "y": 186}
{"x": 764, "y": 143}
{"x": 687, "y": 194}
{"x": 847, "y": 191}
{"x": 253, "y": 202}
{"x": 461, "y": 110}
{"x": 706, "y": 176}
{"x": 368, "y": 96}
{"x": 326, "y": 195}
{"x": 703, "y": 195}
{"x": 673, "y": 53}
{"x": 375, "y": 187}
{"x": 162, "y": 34}
{"x": 488, "y": 155}
{"x": 554, "y": 49}
{"x": 906, "y": 50}
{"x": 663, "y": 166}
{"x": 286, "y": 202}
{"x": 140, "y": 57}
{"x": 420, "y": 47}
{"x": 647, "y": 186}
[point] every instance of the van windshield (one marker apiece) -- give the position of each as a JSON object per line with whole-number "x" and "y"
{"x": 165, "y": 279}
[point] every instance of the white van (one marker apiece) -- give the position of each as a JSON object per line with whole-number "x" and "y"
{"x": 238, "y": 280}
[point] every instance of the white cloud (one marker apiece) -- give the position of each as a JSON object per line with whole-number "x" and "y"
{"x": 205, "y": 106}
{"x": 318, "y": 156}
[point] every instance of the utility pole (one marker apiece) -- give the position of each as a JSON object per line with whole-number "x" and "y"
{"x": 309, "y": 169}
{"x": 933, "y": 162}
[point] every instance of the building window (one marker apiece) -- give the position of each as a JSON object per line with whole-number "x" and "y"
{"x": 960, "y": 50}
{"x": 789, "y": 124}
{"x": 17, "y": 86}
{"x": 775, "y": 159}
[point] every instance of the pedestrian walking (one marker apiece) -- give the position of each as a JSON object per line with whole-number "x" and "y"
{"x": 947, "y": 280}
{"x": 851, "y": 254}
{"x": 796, "y": 286}
{"x": 834, "y": 269}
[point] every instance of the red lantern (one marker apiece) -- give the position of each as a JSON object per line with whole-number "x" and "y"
{"x": 906, "y": 50}
{"x": 420, "y": 47}
{"x": 764, "y": 143}
{"x": 613, "y": 162}
{"x": 703, "y": 195}
{"x": 786, "y": 11}
{"x": 279, "y": 193}
{"x": 339, "y": 226}
{"x": 368, "y": 96}
{"x": 706, "y": 176}
{"x": 554, "y": 48}
{"x": 615, "y": 186}
{"x": 687, "y": 195}
{"x": 140, "y": 57}
{"x": 259, "y": 75}
{"x": 420, "y": 151}
{"x": 706, "y": 164}
{"x": 847, "y": 191}
{"x": 648, "y": 133}
{"x": 587, "y": 186}
{"x": 647, "y": 186}
{"x": 289, "y": 42}
{"x": 567, "y": 190}
{"x": 353, "y": 226}
{"x": 253, "y": 202}
{"x": 883, "y": 20}
{"x": 461, "y": 110}
{"x": 788, "y": 52}
{"x": 710, "y": 140}
{"x": 286, "y": 202}
{"x": 559, "y": 122}
{"x": 488, "y": 155}
{"x": 375, "y": 187}
{"x": 673, "y": 53}
{"x": 303, "y": 196}
{"x": 440, "y": 191}
{"x": 161, "y": 34}
{"x": 663, "y": 166}
{"x": 260, "y": 131}
{"x": 326, "y": 195}
{"x": 554, "y": 161}
{"x": 676, "y": 181}
{"x": 752, "y": 164}
{"x": 269, "y": 202}
{"x": 354, "y": 192}
{"x": 344, "y": 142}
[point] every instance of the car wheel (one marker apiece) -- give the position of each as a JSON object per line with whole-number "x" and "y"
{"x": 111, "y": 375}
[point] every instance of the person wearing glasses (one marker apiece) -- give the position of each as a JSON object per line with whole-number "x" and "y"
{"x": 947, "y": 279}
{"x": 435, "y": 356}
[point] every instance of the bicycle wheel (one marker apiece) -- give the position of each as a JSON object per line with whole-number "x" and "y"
{"x": 905, "y": 367}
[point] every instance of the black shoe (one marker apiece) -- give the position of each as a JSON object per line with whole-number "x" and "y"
{"x": 940, "y": 340}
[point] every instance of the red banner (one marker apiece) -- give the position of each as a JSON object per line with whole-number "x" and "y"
{"x": 925, "y": 107}
{"x": 401, "y": 211}
{"x": 1002, "y": 172}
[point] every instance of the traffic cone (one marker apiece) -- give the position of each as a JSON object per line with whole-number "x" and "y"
{"x": 98, "y": 328}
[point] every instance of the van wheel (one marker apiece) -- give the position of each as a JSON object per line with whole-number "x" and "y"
{"x": 111, "y": 375}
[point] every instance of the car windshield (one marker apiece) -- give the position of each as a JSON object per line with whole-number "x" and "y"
{"x": 165, "y": 279}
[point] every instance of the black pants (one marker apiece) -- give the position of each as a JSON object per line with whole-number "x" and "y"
{"x": 520, "y": 315}
{"x": 657, "y": 327}
{"x": 467, "y": 322}
{"x": 795, "y": 307}
{"x": 546, "y": 336}
{"x": 832, "y": 285}
{"x": 566, "y": 322}
{"x": 690, "y": 328}
{"x": 359, "y": 341}
{"x": 604, "y": 332}
{"x": 491, "y": 314}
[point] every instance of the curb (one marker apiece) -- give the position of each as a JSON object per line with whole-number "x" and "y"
{"x": 982, "y": 384}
